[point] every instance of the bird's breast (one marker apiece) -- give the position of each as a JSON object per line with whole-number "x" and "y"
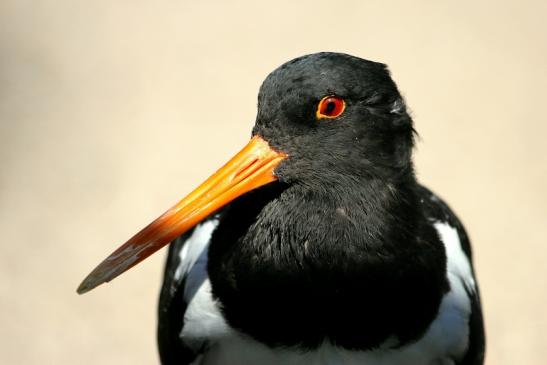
{"x": 205, "y": 324}
{"x": 298, "y": 270}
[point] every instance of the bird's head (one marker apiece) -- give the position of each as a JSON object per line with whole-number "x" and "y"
{"x": 323, "y": 119}
{"x": 335, "y": 116}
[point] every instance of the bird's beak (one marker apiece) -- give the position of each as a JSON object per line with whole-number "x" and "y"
{"x": 251, "y": 168}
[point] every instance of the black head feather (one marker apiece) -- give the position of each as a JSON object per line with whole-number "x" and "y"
{"x": 373, "y": 137}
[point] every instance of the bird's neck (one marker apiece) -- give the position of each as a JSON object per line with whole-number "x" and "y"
{"x": 344, "y": 263}
{"x": 366, "y": 214}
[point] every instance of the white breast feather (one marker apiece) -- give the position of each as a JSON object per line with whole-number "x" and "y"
{"x": 202, "y": 319}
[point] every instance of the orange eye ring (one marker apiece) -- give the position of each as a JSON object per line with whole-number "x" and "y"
{"x": 331, "y": 106}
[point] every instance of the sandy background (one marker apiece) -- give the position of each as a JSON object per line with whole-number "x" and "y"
{"x": 110, "y": 111}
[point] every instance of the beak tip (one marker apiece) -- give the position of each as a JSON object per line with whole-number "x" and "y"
{"x": 82, "y": 289}
{"x": 87, "y": 285}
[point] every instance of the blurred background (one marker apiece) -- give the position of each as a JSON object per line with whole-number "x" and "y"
{"x": 110, "y": 111}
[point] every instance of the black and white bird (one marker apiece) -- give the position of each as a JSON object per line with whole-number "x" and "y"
{"x": 315, "y": 244}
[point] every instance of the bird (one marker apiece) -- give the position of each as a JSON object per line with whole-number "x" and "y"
{"x": 315, "y": 244}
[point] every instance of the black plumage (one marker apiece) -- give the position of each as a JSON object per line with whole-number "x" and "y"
{"x": 342, "y": 248}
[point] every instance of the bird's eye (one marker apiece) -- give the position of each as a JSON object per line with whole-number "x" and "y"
{"x": 330, "y": 106}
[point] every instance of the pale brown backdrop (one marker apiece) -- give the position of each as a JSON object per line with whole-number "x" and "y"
{"x": 110, "y": 111}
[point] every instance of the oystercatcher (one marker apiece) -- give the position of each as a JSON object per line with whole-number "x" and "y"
{"x": 315, "y": 244}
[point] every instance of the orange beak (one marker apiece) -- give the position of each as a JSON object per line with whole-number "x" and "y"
{"x": 251, "y": 168}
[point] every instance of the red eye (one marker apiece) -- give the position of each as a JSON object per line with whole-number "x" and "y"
{"x": 330, "y": 107}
